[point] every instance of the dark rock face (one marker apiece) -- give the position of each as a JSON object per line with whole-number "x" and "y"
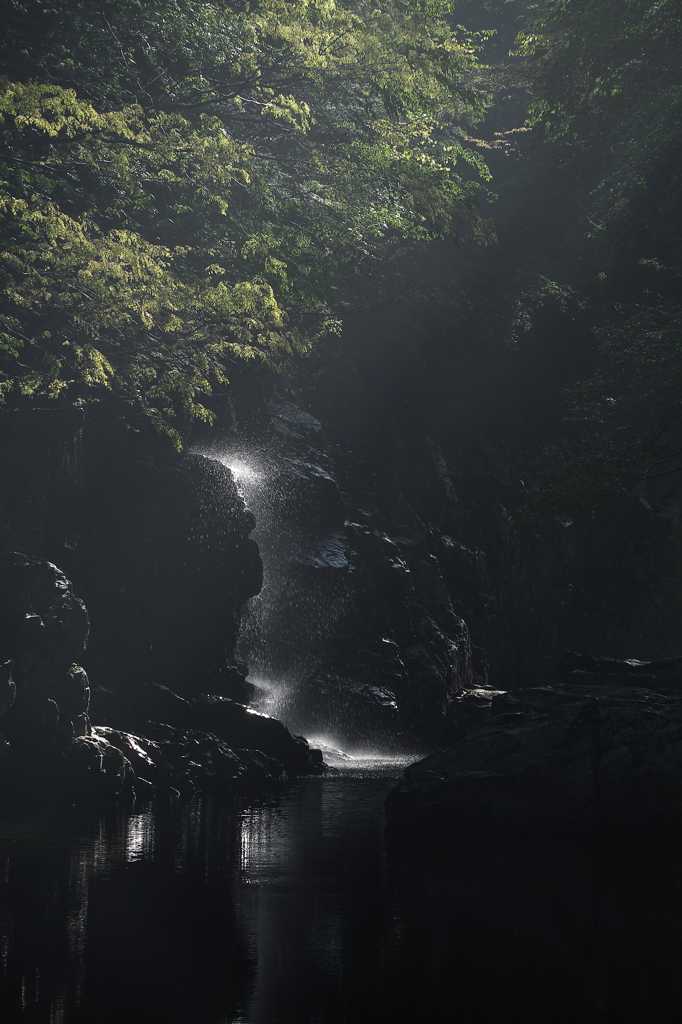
{"x": 497, "y": 599}
{"x": 158, "y": 721}
{"x": 187, "y": 759}
{"x": 161, "y": 548}
{"x": 242, "y": 727}
{"x": 158, "y": 544}
{"x": 588, "y": 668}
{"x": 602, "y": 750}
{"x": 438, "y": 430}
{"x": 41, "y": 469}
{"x": 47, "y": 747}
{"x": 400, "y": 558}
{"x": 44, "y": 631}
{"x": 154, "y": 714}
{"x": 166, "y": 574}
{"x": 400, "y": 646}
{"x": 355, "y": 612}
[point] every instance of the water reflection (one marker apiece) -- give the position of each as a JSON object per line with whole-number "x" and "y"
{"x": 313, "y": 866}
{"x": 140, "y": 838}
{"x": 293, "y": 913}
{"x": 126, "y": 915}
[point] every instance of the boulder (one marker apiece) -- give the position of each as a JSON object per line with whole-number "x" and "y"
{"x": 242, "y": 727}
{"x": 90, "y": 767}
{"x": 47, "y": 749}
{"x": 188, "y": 760}
{"x": 167, "y": 573}
{"x": 567, "y": 758}
{"x": 588, "y": 668}
{"x": 44, "y": 692}
{"x": 143, "y": 755}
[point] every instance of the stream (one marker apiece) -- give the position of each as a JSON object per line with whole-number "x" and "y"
{"x": 294, "y": 912}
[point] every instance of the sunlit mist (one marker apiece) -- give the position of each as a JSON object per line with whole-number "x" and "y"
{"x": 243, "y": 472}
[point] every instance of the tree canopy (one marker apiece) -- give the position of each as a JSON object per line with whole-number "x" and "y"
{"x": 186, "y": 184}
{"x": 606, "y": 94}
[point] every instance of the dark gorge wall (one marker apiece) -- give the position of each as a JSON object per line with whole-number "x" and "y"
{"x": 433, "y": 443}
{"x": 399, "y": 581}
{"x": 355, "y": 628}
{"x": 157, "y": 546}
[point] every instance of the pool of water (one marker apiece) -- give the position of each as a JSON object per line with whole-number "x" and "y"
{"x": 294, "y": 912}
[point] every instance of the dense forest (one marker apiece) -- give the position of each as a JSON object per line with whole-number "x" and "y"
{"x": 188, "y": 188}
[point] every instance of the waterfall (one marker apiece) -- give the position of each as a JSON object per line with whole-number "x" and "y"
{"x": 299, "y": 531}
{"x": 256, "y": 477}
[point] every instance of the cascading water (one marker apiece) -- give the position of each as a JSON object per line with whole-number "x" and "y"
{"x": 263, "y": 651}
{"x": 299, "y": 531}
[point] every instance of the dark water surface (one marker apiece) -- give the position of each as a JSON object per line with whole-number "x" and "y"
{"x": 293, "y": 913}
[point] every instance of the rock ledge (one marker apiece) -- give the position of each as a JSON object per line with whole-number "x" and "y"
{"x": 601, "y": 750}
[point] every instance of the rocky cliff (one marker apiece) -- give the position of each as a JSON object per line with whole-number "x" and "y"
{"x": 159, "y": 546}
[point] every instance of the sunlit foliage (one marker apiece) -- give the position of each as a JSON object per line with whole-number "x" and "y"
{"x": 185, "y": 185}
{"x": 607, "y": 82}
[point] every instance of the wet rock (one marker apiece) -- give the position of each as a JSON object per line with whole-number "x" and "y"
{"x": 81, "y": 725}
{"x": 355, "y": 712}
{"x": 68, "y": 770}
{"x": 92, "y": 768}
{"x": 257, "y": 768}
{"x": 293, "y": 422}
{"x": 349, "y": 603}
{"x": 191, "y": 745}
{"x": 242, "y": 727}
{"x": 73, "y": 693}
{"x": 327, "y": 552}
{"x": 398, "y": 634}
{"x": 48, "y": 750}
{"x": 578, "y": 667}
{"x": 143, "y": 755}
{"x": 470, "y": 709}
{"x": 565, "y": 758}
{"x": 38, "y": 610}
{"x": 43, "y": 630}
{"x": 192, "y": 759}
